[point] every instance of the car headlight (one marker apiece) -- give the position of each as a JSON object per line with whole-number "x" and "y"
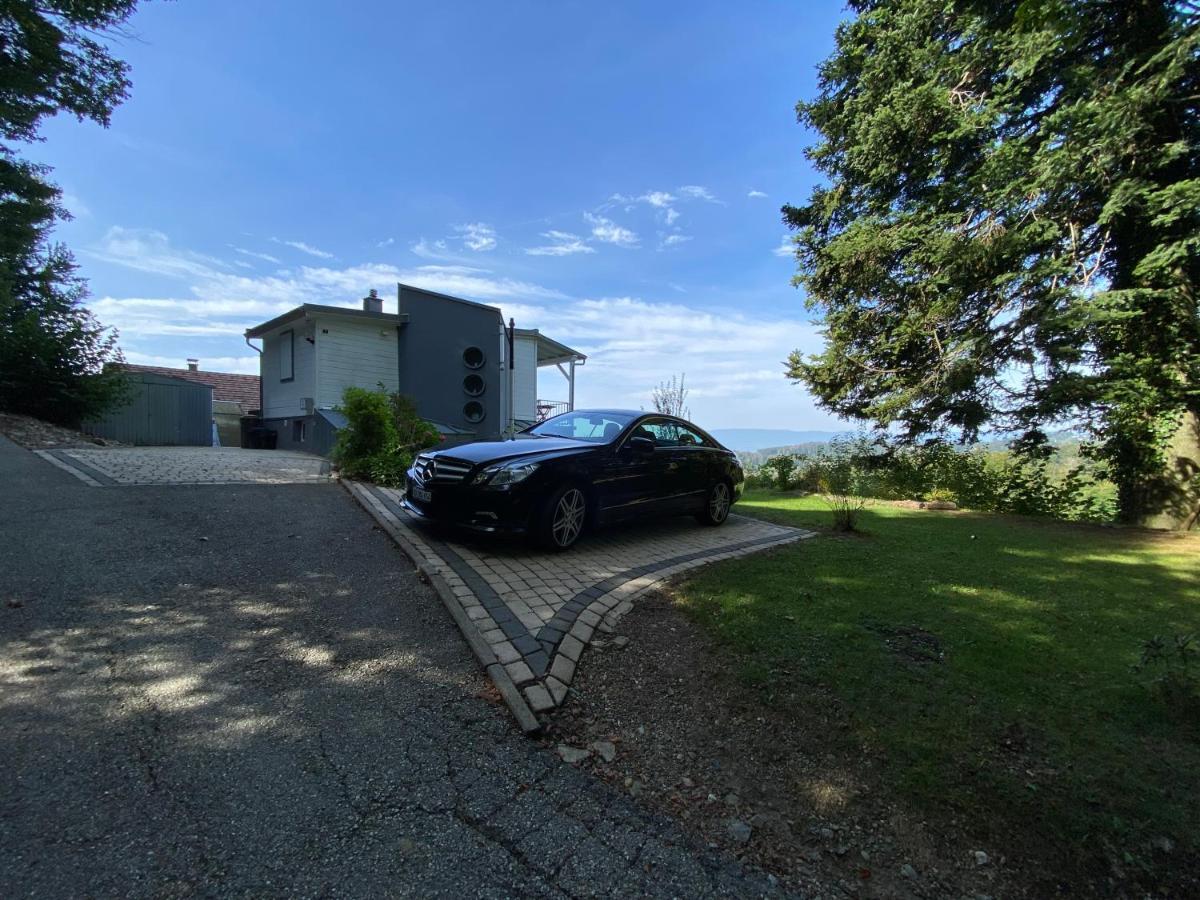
{"x": 503, "y": 474}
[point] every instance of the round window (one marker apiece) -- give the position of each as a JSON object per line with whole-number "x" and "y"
{"x": 473, "y": 385}
{"x": 473, "y": 411}
{"x": 473, "y": 358}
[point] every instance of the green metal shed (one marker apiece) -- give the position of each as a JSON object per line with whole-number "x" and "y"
{"x": 162, "y": 411}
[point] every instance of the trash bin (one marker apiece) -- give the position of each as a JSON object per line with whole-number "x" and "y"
{"x": 248, "y": 424}
{"x": 269, "y": 437}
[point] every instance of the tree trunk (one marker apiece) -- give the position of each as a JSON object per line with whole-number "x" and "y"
{"x": 1173, "y": 500}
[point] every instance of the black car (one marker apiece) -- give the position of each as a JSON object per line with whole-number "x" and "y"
{"x": 575, "y": 471}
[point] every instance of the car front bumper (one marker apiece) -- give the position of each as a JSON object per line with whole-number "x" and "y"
{"x": 478, "y": 509}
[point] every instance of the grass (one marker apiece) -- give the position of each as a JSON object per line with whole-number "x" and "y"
{"x": 986, "y": 661}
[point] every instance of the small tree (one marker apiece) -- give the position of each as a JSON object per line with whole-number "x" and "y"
{"x": 670, "y": 398}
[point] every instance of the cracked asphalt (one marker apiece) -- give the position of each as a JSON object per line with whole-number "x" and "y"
{"x": 246, "y": 691}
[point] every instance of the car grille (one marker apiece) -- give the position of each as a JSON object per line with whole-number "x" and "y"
{"x": 441, "y": 469}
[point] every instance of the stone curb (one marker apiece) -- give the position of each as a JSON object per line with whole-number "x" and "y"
{"x": 527, "y": 721}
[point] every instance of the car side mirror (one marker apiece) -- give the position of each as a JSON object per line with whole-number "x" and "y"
{"x": 641, "y": 445}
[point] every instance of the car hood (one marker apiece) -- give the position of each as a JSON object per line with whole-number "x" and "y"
{"x": 496, "y": 451}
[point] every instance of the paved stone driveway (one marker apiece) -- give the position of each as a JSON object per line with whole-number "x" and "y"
{"x": 530, "y": 613}
{"x": 188, "y": 465}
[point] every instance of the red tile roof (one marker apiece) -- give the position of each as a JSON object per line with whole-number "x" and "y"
{"x": 241, "y": 389}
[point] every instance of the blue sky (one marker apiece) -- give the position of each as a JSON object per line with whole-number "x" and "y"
{"x": 609, "y": 173}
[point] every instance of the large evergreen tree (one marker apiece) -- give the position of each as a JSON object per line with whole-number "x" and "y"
{"x": 1009, "y": 233}
{"x": 52, "y": 350}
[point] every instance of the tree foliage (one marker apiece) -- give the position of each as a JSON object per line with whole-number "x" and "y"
{"x": 1009, "y": 232}
{"x": 53, "y": 352}
{"x": 670, "y": 397}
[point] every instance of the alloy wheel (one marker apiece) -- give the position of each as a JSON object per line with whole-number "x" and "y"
{"x": 568, "y": 517}
{"x": 718, "y": 502}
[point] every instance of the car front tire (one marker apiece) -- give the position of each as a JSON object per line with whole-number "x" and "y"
{"x": 716, "y": 505}
{"x": 563, "y": 518}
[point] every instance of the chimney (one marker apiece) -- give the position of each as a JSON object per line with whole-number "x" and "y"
{"x": 193, "y": 365}
{"x": 372, "y": 303}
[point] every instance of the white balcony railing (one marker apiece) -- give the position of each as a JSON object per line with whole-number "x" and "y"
{"x": 549, "y": 408}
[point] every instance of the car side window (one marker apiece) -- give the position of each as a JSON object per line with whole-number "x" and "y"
{"x": 668, "y": 433}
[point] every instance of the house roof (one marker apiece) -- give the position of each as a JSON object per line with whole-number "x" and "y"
{"x": 550, "y": 351}
{"x": 241, "y": 389}
{"x": 316, "y": 309}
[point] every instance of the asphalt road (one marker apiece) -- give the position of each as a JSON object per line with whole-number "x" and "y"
{"x": 244, "y": 690}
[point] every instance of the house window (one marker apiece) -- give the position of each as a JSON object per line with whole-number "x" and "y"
{"x": 299, "y": 431}
{"x": 287, "y": 355}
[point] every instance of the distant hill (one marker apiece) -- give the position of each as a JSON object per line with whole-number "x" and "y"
{"x": 759, "y": 438}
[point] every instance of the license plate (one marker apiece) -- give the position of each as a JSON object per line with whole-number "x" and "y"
{"x": 421, "y": 495}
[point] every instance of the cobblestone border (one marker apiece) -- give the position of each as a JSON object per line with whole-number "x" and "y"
{"x": 533, "y": 666}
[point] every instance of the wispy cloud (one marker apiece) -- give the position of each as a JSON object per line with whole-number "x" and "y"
{"x": 658, "y": 198}
{"x": 563, "y": 243}
{"x": 755, "y": 194}
{"x": 787, "y": 247}
{"x": 430, "y": 249}
{"x": 609, "y": 232}
{"x": 305, "y": 248}
{"x": 477, "y": 236}
{"x": 386, "y": 242}
{"x": 671, "y": 216}
{"x": 698, "y": 192}
{"x": 150, "y": 251}
{"x": 674, "y": 240}
{"x": 253, "y": 254}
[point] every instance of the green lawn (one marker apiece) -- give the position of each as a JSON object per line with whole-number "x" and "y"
{"x": 985, "y": 659}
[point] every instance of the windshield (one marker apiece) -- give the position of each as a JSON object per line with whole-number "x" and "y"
{"x": 599, "y": 428}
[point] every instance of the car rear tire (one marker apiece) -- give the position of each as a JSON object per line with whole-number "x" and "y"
{"x": 716, "y": 505}
{"x": 561, "y": 522}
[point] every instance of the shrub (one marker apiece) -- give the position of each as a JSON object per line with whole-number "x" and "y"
{"x": 781, "y": 467}
{"x": 1171, "y": 662}
{"x": 845, "y": 483}
{"x": 382, "y": 435}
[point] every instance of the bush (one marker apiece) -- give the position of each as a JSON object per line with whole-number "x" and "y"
{"x": 975, "y": 478}
{"x": 780, "y": 468}
{"x": 382, "y": 435}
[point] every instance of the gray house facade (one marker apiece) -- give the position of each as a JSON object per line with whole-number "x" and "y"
{"x": 470, "y": 374}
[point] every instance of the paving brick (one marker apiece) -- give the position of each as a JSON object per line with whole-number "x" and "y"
{"x": 519, "y": 672}
{"x": 563, "y": 668}
{"x": 571, "y": 647}
{"x": 539, "y": 698}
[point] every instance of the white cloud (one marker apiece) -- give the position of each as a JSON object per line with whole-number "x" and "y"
{"x": 265, "y": 257}
{"x": 698, "y": 192}
{"x": 477, "y": 236}
{"x": 430, "y": 249}
{"x": 386, "y": 242}
{"x": 75, "y": 205}
{"x": 671, "y": 216}
{"x": 150, "y": 251}
{"x": 305, "y": 248}
{"x": 610, "y": 232}
{"x": 786, "y": 248}
{"x": 755, "y": 194}
{"x": 632, "y": 344}
{"x": 244, "y": 365}
{"x": 674, "y": 240}
{"x": 563, "y": 243}
{"x": 660, "y": 199}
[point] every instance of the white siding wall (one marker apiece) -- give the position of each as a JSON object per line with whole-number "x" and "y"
{"x": 354, "y": 354}
{"x": 286, "y": 398}
{"x": 525, "y": 378}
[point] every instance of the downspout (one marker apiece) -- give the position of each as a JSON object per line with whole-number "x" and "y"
{"x": 512, "y": 379}
{"x": 260, "y": 377}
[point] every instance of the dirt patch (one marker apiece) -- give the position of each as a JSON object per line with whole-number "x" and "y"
{"x": 780, "y": 784}
{"x": 38, "y": 435}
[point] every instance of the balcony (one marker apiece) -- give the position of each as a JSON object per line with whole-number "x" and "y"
{"x": 547, "y": 409}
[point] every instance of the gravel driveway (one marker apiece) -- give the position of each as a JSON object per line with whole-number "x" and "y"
{"x": 243, "y": 690}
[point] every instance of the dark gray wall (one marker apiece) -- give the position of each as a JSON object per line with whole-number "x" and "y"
{"x": 162, "y": 411}
{"x": 432, "y": 344}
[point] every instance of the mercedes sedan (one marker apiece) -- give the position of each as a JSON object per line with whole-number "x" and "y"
{"x": 565, "y": 475}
